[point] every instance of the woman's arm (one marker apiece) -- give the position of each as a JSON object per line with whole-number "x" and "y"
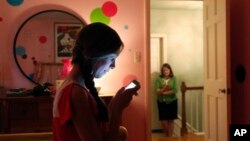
{"x": 168, "y": 92}
{"x": 158, "y": 86}
{"x": 172, "y": 87}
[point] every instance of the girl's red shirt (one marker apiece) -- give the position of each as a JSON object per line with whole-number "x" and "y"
{"x": 63, "y": 127}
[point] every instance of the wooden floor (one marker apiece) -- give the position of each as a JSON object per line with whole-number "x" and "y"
{"x": 48, "y": 136}
{"x": 189, "y": 137}
{"x": 45, "y": 136}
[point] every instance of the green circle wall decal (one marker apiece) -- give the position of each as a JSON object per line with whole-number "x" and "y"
{"x": 98, "y": 16}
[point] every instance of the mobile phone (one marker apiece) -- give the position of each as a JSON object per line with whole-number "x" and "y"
{"x": 132, "y": 84}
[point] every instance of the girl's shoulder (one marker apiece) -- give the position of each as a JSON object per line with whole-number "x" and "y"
{"x": 80, "y": 94}
{"x": 73, "y": 87}
{"x": 79, "y": 88}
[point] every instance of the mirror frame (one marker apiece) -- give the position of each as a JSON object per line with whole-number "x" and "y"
{"x": 21, "y": 27}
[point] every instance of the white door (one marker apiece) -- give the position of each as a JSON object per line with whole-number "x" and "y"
{"x": 156, "y": 62}
{"x": 216, "y": 49}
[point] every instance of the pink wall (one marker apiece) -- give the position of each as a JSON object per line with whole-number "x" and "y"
{"x": 240, "y": 49}
{"x": 130, "y": 22}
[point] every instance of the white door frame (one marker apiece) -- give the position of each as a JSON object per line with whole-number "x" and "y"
{"x": 155, "y": 123}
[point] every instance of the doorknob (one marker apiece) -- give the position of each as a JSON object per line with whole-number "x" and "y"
{"x": 222, "y": 90}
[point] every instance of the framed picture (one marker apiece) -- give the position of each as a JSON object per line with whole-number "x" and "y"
{"x": 65, "y": 38}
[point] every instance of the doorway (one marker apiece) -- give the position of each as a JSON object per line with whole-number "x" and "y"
{"x": 182, "y": 23}
{"x": 156, "y": 59}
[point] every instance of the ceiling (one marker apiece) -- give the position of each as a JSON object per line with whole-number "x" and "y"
{"x": 177, "y": 4}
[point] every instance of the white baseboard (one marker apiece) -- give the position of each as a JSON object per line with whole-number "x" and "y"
{"x": 199, "y": 133}
{"x": 177, "y": 127}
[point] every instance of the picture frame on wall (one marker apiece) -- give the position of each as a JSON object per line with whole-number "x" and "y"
{"x": 65, "y": 38}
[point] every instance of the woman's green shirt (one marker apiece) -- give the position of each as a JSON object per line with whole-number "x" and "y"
{"x": 172, "y": 83}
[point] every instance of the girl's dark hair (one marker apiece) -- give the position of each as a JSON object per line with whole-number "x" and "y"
{"x": 95, "y": 40}
{"x": 166, "y": 65}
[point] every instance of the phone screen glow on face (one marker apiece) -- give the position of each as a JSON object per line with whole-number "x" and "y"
{"x": 131, "y": 85}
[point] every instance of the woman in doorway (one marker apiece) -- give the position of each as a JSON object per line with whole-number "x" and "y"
{"x": 166, "y": 89}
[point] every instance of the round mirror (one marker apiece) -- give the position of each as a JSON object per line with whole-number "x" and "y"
{"x": 43, "y": 42}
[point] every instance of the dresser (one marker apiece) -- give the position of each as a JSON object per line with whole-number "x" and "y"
{"x": 28, "y": 113}
{"x": 25, "y": 114}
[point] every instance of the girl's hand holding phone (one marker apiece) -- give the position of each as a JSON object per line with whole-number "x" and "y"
{"x": 124, "y": 96}
{"x": 133, "y": 85}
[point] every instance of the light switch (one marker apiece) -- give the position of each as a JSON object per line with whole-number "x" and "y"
{"x": 137, "y": 57}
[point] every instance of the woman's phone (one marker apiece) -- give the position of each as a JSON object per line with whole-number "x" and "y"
{"x": 132, "y": 84}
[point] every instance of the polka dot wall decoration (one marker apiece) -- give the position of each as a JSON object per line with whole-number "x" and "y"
{"x": 109, "y": 9}
{"x": 129, "y": 78}
{"x": 42, "y": 39}
{"x": 34, "y": 60}
{"x": 24, "y": 56}
{"x": 15, "y": 2}
{"x": 20, "y": 50}
{"x": 31, "y": 75}
{"x": 126, "y": 27}
{"x": 1, "y": 19}
{"x": 103, "y": 13}
{"x": 98, "y": 16}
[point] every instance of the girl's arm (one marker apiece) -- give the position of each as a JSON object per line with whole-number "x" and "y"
{"x": 120, "y": 101}
{"x": 85, "y": 122}
{"x": 83, "y": 117}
